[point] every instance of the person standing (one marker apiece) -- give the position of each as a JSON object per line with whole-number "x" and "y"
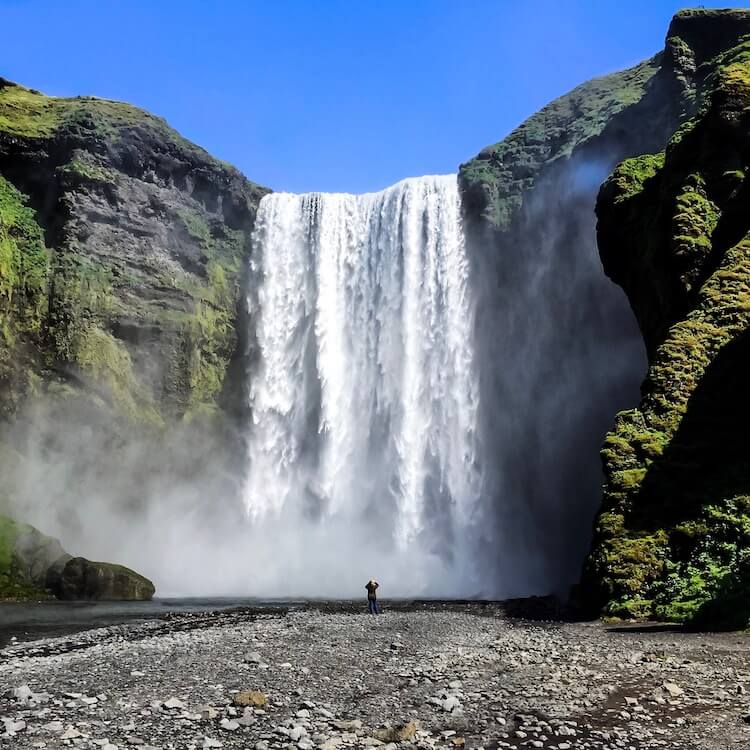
{"x": 372, "y": 597}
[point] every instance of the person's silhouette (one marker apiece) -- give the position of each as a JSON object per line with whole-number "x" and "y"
{"x": 372, "y": 597}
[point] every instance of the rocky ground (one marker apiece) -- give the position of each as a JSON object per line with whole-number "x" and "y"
{"x": 431, "y": 677}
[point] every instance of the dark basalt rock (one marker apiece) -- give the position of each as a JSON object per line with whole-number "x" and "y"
{"x": 84, "y": 579}
{"x": 570, "y": 354}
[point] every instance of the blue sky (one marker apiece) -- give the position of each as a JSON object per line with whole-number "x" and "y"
{"x": 330, "y": 94}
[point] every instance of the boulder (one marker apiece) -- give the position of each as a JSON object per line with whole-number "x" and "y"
{"x": 85, "y": 579}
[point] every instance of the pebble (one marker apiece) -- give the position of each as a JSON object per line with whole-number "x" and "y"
{"x": 426, "y": 679}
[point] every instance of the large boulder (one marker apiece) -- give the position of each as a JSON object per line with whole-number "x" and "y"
{"x": 84, "y": 579}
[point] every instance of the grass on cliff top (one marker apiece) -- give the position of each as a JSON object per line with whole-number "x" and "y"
{"x": 509, "y": 167}
{"x": 28, "y": 113}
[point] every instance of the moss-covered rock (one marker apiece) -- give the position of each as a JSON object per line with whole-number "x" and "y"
{"x": 84, "y": 579}
{"x": 35, "y": 566}
{"x": 673, "y": 538}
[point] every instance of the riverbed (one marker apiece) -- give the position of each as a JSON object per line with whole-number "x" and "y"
{"x": 417, "y": 676}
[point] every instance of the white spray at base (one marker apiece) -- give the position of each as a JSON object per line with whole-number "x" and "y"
{"x": 362, "y": 449}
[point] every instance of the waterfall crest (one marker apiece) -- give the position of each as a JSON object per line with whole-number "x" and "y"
{"x": 362, "y": 385}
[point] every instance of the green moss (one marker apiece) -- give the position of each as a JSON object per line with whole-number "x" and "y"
{"x": 81, "y": 295}
{"x": 87, "y": 170}
{"x": 9, "y": 531}
{"x": 673, "y": 537}
{"x": 30, "y": 114}
{"x": 11, "y": 588}
{"x": 630, "y": 176}
{"x": 24, "y": 267}
{"x": 208, "y": 333}
{"x": 23, "y": 257}
{"x": 101, "y": 356}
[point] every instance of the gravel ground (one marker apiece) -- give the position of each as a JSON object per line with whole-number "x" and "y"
{"x": 436, "y": 677}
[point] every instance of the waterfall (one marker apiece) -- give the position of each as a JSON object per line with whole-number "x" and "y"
{"x": 362, "y": 386}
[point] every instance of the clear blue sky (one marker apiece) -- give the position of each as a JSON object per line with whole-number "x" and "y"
{"x": 330, "y": 94}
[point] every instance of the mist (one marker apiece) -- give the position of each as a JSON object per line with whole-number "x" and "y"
{"x": 559, "y": 354}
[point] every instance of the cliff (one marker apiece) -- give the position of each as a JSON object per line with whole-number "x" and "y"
{"x": 672, "y": 540}
{"x": 634, "y": 110}
{"x": 121, "y": 252}
{"x": 569, "y": 355}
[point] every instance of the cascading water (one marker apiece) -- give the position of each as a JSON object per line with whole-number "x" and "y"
{"x": 363, "y": 391}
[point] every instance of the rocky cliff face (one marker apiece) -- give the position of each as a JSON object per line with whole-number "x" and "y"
{"x": 121, "y": 252}
{"x": 122, "y": 249}
{"x": 673, "y": 538}
{"x": 569, "y": 355}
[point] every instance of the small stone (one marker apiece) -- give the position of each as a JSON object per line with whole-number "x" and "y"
{"x": 229, "y": 725}
{"x": 250, "y": 698}
{"x": 22, "y": 694}
{"x": 348, "y": 726}
{"x": 451, "y": 703}
{"x": 297, "y": 733}
{"x": 673, "y": 689}
{"x": 13, "y": 727}
{"x": 207, "y": 713}
{"x": 174, "y": 703}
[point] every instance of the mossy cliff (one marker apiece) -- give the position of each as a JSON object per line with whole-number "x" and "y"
{"x": 559, "y": 348}
{"x": 625, "y": 113}
{"x": 121, "y": 251}
{"x": 672, "y": 540}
